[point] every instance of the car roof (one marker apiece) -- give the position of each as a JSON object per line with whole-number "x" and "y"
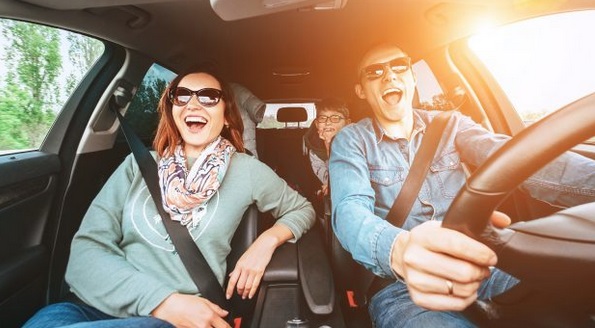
{"x": 298, "y": 53}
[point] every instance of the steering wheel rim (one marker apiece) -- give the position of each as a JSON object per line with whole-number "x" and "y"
{"x": 531, "y": 251}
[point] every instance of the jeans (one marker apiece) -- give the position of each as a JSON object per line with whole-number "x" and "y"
{"x": 76, "y": 315}
{"x": 392, "y": 307}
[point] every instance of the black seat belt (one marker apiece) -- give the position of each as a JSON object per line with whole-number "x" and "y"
{"x": 190, "y": 254}
{"x": 404, "y": 201}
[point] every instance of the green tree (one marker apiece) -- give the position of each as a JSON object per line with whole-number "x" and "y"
{"x": 82, "y": 52}
{"x": 33, "y": 61}
{"x": 142, "y": 112}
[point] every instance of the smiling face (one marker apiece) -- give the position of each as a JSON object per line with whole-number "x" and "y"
{"x": 329, "y": 129}
{"x": 390, "y": 95}
{"x": 198, "y": 125}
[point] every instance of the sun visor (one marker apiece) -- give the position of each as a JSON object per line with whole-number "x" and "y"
{"x": 230, "y": 10}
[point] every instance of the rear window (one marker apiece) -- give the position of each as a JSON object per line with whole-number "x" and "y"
{"x": 270, "y": 116}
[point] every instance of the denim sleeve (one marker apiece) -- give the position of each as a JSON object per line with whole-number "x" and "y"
{"x": 567, "y": 181}
{"x": 366, "y": 236}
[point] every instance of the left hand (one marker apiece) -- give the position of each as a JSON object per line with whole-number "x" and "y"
{"x": 249, "y": 269}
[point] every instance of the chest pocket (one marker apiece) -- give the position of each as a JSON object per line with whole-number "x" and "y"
{"x": 448, "y": 173}
{"x": 385, "y": 176}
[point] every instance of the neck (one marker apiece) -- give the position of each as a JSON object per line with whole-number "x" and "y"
{"x": 399, "y": 128}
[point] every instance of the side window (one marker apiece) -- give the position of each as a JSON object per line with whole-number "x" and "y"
{"x": 541, "y": 64}
{"x": 429, "y": 93}
{"x": 142, "y": 112}
{"x": 40, "y": 67}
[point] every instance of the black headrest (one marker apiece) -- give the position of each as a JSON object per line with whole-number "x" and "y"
{"x": 292, "y": 114}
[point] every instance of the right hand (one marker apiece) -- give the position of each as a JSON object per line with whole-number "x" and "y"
{"x": 190, "y": 311}
{"x": 428, "y": 256}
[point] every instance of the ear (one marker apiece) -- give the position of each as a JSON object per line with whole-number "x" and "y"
{"x": 359, "y": 91}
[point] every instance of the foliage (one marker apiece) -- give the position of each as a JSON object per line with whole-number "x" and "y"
{"x": 142, "y": 112}
{"x": 33, "y": 90}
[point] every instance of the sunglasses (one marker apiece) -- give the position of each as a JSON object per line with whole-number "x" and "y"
{"x": 207, "y": 97}
{"x": 332, "y": 118}
{"x": 397, "y": 66}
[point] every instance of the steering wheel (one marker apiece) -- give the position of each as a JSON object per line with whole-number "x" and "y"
{"x": 554, "y": 256}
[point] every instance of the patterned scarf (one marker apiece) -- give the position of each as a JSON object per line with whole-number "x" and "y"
{"x": 186, "y": 193}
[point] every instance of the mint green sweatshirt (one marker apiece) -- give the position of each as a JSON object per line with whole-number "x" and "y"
{"x": 121, "y": 261}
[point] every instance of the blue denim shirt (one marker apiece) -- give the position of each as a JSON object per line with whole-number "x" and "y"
{"x": 368, "y": 168}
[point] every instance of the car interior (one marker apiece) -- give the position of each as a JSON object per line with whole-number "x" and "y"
{"x": 289, "y": 54}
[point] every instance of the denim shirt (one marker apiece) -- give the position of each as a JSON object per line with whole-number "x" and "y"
{"x": 368, "y": 168}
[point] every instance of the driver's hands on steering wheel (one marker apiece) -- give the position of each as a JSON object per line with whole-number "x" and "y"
{"x": 443, "y": 268}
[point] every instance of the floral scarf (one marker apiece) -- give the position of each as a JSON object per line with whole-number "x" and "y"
{"x": 185, "y": 193}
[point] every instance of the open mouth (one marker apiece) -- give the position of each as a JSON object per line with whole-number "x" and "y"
{"x": 195, "y": 123}
{"x": 392, "y": 95}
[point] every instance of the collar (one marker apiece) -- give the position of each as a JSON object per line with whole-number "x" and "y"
{"x": 418, "y": 126}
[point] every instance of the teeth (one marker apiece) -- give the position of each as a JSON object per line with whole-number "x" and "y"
{"x": 387, "y": 91}
{"x": 195, "y": 119}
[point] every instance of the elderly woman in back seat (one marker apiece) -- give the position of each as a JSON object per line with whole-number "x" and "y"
{"x": 124, "y": 267}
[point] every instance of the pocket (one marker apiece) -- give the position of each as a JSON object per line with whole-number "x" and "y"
{"x": 448, "y": 172}
{"x": 386, "y": 176}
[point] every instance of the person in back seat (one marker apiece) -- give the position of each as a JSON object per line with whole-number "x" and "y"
{"x": 432, "y": 272}
{"x": 332, "y": 115}
{"x": 124, "y": 267}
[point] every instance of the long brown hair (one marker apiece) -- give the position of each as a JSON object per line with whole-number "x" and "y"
{"x": 168, "y": 136}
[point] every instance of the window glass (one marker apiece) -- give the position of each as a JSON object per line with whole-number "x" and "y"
{"x": 142, "y": 112}
{"x": 541, "y": 64}
{"x": 269, "y": 120}
{"x": 40, "y": 67}
{"x": 429, "y": 93}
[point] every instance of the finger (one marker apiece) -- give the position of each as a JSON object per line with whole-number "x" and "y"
{"x": 456, "y": 244}
{"x": 255, "y": 285}
{"x": 216, "y": 308}
{"x": 242, "y": 282}
{"x": 421, "y": 260}
{"x": 500, "y": 220}
{"x": 247, "y": 287}
{"x": 220, "y": 323}
{"x": 233, "y": 279}
{"x": 431, "y": 284}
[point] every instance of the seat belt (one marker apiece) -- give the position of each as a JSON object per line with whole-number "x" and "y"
{"x": 402, "y": 205}
{"x": 190, "y": 254}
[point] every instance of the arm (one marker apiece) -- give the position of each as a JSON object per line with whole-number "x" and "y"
{"x": 567, "y": 181}
{"x": 361, "y": 232}
{"x": 97, "y": 270}
{"x": 294, "y": 214}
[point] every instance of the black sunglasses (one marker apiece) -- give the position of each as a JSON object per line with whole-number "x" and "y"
{"x": 397, "y": 65}
{"x": 207, "y": 97}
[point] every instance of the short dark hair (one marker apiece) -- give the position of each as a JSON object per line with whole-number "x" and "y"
{"x": 334, "y": 104}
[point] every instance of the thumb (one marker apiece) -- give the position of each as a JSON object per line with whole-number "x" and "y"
{"x": 500, "y": 220}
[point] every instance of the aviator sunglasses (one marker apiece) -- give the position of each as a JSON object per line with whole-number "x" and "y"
{"x": 207, "y": 97}
{"x": 397, "y": 65}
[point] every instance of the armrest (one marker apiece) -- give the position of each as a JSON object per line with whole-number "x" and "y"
{"x": 283, "y": 265}
{"x": 316, "y": 277}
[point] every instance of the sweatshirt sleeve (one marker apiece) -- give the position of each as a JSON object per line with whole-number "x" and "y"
{"x": 271, "y": 193}
{"x": 97, "y": 271}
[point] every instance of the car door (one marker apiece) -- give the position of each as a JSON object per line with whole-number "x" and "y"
{"x": 51, "y": 82}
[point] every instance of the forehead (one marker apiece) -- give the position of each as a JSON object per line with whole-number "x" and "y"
{"x": 381, "y": 54}
{"x": 196, "y": 81}
{"x": 327, "y": 112}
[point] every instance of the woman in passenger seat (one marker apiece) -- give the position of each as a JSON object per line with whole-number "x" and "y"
{"x": 124, "y": 267}
{"x": 332, "y": 115}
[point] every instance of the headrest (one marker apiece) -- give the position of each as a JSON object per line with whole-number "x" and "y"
{"x": 292, "y": 114}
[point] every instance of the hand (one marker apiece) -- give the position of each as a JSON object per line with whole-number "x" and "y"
{"x": 435, "y": 261}
{"x": 323, "y": 190}
{"x": 191, "y": 311}
{"x": 249, "y": 269}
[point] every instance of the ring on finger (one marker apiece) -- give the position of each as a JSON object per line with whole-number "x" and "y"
{"x": 450, "y": 287}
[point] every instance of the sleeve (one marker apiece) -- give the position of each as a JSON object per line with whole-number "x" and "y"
{"x": 319, "y": 167}
{"x": 97, "y": 271}
{"x": 271, "y": 193}
{"x": 567, "y": 181}
{"x": 368, "y": 237}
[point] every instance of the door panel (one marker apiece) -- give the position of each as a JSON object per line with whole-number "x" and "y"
{"x": 27, "y": 190}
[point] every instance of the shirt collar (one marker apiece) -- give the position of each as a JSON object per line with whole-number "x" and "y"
{"x": 418, "y": 126}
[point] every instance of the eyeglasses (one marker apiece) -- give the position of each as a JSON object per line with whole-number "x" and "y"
{"x": 332, "y": 118}
{"x": 207, "y": 97}
{"x": 397, "y": 65}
